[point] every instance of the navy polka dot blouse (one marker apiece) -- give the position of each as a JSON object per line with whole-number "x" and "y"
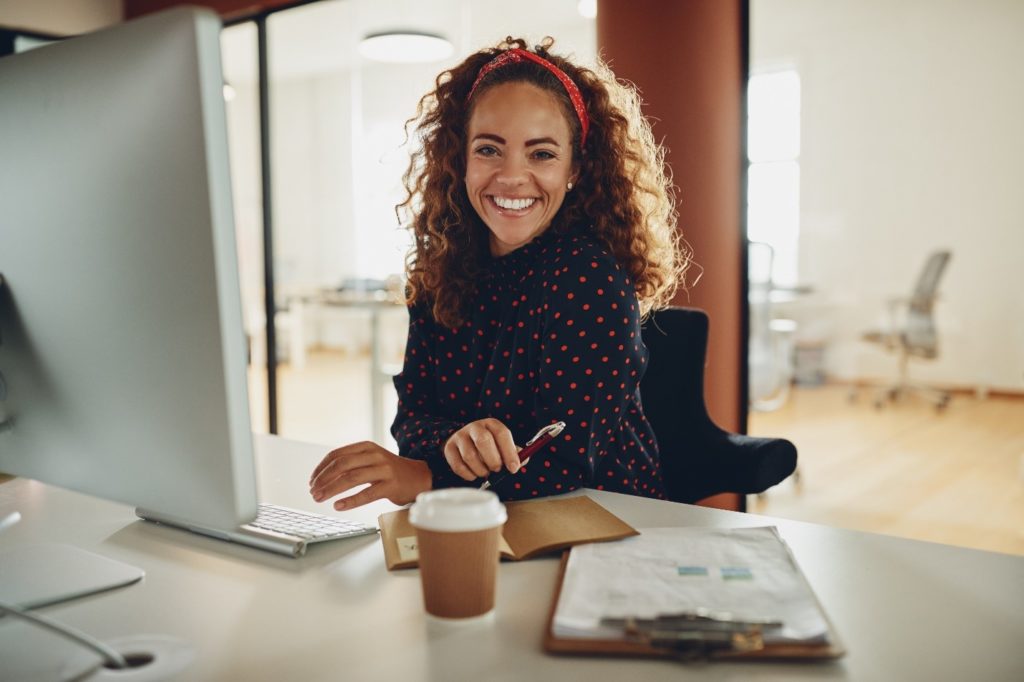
{"x": 554, "y": 335}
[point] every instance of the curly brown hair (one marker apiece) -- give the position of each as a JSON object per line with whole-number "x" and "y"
{"x": 623, "y": 196}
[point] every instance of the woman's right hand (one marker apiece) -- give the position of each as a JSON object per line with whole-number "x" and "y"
{"x": 389, "y": 476}
{"x": 480, "y": 448}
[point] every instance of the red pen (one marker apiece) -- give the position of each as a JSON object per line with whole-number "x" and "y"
{"x": 532, "y": 447}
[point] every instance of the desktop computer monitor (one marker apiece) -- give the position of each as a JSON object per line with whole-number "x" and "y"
{"x": 122, "y": 351}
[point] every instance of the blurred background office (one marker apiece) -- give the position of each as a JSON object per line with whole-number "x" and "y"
{"x": 877, "y": 132}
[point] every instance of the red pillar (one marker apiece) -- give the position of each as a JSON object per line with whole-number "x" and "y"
{"x": 688, "y": 59}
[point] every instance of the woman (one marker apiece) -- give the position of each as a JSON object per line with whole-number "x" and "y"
{"x": 543, "y": 224}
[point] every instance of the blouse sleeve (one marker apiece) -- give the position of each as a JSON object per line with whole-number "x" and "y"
{"x": 419, "y": 429}
{"x": 591, "y": 360}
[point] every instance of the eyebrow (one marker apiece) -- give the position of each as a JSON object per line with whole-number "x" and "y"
{"x": 529, "y": 143}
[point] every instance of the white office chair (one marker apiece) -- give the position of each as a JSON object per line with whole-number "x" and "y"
{"x": 911, "y": 333}
{"x": 770, "y": 356}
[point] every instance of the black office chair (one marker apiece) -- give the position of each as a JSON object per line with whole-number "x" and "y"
{"x": 698, "y": 458}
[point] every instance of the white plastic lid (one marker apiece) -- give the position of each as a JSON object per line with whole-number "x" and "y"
{"x": 457, "y": 510}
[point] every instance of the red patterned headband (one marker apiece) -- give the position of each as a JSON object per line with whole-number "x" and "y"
{"x": 518, "y": 55}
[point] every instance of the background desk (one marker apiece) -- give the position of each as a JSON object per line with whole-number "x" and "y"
{"x": 906, "y": 610}
{"x": 372, "y": 302}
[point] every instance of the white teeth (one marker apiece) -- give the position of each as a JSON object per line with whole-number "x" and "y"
{"x": 514, "y": 204}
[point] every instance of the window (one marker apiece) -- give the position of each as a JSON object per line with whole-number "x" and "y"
{"x": 773, "y": 180}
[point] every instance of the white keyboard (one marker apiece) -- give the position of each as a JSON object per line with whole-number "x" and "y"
{"x": 276, "y": 529}
{"x": 305, "y": 525}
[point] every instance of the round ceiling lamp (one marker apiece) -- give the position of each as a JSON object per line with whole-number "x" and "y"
{"x": 405, "y": 47}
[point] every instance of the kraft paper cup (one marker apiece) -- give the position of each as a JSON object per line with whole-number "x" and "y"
{"x": 457, "y": 533}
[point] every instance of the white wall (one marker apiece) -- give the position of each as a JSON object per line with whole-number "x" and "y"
{"x": 911, "y": 141}
{"x": 60, "y": 17}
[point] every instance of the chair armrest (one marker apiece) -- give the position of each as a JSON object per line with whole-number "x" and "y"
{"x": 733, "y": 463}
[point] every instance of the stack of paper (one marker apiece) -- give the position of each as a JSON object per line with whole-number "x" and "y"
{"x": 746, "y": 572}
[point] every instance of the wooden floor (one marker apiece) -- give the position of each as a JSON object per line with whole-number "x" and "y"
{"x": 955, "y": 477}
{"x": 325, "y": 402}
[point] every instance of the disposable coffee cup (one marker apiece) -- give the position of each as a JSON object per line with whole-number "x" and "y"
{"x": 457, "y": 533}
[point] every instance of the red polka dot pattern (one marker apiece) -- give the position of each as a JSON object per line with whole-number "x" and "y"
{"x": 553, "y": 335}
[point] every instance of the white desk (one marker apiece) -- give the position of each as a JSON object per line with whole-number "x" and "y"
{"x": 906, "y": 610}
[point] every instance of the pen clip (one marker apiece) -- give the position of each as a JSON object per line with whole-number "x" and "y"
{"x": 551, "y": 430}
{"x": 545, "y": 434}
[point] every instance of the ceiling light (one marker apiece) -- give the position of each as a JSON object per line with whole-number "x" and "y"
{"x": 587, "y": 8}
{"x": 405, "y": 46}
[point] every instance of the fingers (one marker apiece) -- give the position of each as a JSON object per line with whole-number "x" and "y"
{"x": 454, "y": 458}
{"x": 344, "y": 481}
{"x": 327, "y": 461}
{"x": 477, "y": 449}
{"x": 481, "y": 448}
{"x": 349, "y": 466}
{"x": 509, "y": 451}
{"x": 365, "y": 496}
{"x": 344, "y": 458}
{"x": 486, "y": 447}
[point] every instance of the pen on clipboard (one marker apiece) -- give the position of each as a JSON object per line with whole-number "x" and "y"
{"x": 532, "y": 447}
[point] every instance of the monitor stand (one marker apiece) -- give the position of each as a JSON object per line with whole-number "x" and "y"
{"x": 38, "y": 575}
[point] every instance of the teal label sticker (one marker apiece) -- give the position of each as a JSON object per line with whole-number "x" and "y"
{"x": 692, "y": 570}
{"x": 736, "y": 573}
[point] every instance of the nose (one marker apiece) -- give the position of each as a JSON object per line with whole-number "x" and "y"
{"x": 512, "y": 172}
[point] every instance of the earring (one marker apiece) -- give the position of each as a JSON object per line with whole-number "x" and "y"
{"x": 568, "y": 187}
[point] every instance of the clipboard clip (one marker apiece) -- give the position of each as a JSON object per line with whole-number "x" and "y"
{"x": 695, "y": 635}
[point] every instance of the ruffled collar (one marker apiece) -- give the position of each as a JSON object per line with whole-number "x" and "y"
{"x": 514, "y": 266}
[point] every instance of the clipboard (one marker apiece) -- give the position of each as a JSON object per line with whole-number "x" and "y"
{"x": 554, "y": 644}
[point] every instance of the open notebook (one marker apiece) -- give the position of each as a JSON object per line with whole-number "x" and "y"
{"x": 534, "y": 527}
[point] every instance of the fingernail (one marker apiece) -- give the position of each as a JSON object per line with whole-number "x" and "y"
{"x": 339, "y": 505}
{"x": 318, "y": 497}
{"x": 515, "y": 467}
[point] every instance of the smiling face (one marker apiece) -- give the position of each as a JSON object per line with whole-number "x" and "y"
{"x": 518, "y": 162}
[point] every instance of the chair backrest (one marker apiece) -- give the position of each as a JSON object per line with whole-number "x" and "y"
{"x": 919, "y": 336}
{"x": 672, "y": 390}
{"x": 760, "y": 267}
{"x": 927, "y": 286}
{"x": 698, "y": 458}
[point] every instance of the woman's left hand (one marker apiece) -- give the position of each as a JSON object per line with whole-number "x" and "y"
{"x": 396, "y": 478}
